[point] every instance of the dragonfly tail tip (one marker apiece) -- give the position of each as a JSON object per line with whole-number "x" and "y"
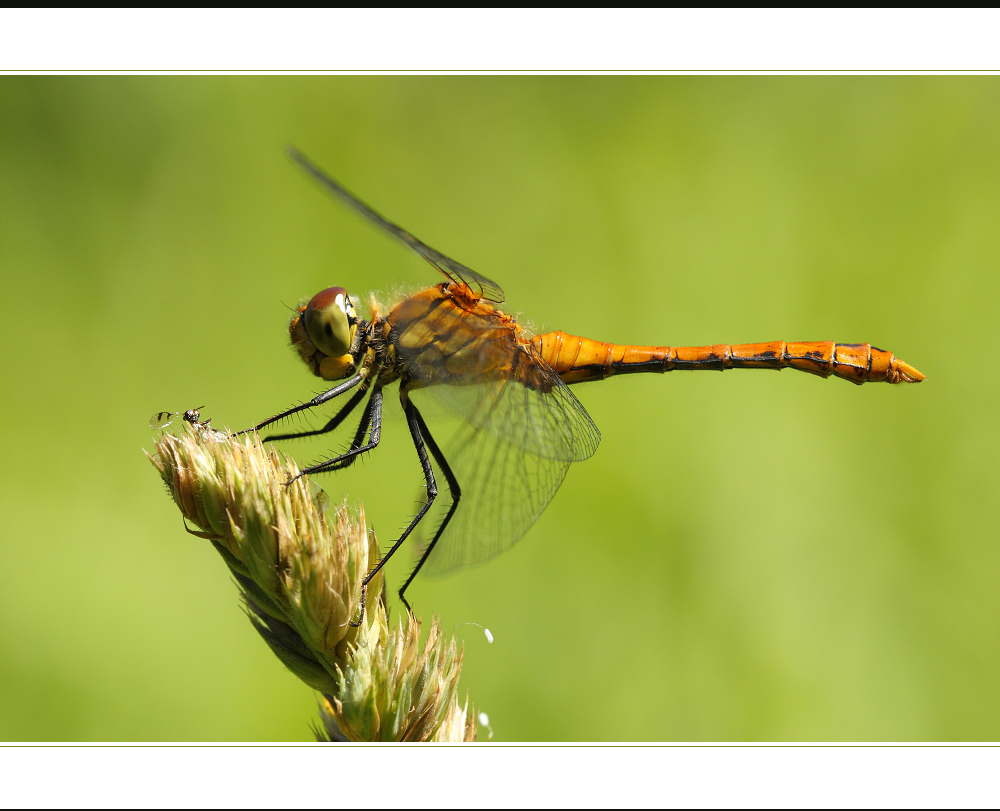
{"x": 909, "y": 374}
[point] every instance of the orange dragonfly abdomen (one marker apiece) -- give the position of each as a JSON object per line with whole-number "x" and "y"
{"x": 578, "y": 359}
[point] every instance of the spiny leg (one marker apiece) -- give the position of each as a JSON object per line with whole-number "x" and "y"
{"x": 319, "y": 399}
{"x": 340, "y": 416}
{"x": 456, "y": 496}
{"x": 417, "y": 429}
{"x": 371, "y": 422}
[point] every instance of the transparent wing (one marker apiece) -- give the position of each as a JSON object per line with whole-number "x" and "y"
{"x": 551, "y": 424}
{"x": 509, "y": 458}
{"x": 456, "y": 271}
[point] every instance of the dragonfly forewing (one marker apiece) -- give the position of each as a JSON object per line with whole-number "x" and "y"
{"x": 455, "y": 271}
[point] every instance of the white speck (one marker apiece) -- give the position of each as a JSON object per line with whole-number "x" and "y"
{"x": 484, "y": 721}
{"x": 489, "y": 636}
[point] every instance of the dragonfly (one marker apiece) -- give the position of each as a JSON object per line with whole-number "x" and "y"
{"x": 522, "y": 426}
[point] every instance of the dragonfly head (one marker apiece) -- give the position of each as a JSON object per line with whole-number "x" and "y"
{"x": 323, "y": 332}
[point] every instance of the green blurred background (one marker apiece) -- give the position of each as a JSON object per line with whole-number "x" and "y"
{"x": 749, "y": 556}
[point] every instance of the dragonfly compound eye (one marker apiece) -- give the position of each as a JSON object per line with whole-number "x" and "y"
{"x": 331, "y": 321}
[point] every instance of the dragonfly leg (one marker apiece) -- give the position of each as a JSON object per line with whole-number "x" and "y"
{"x": 319, "y": 399}
{"x": 340, "y": 416}
{"x": 371, "y": 422}
{"x": 456, "y": 496}
{"x": 418, "y": 430}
